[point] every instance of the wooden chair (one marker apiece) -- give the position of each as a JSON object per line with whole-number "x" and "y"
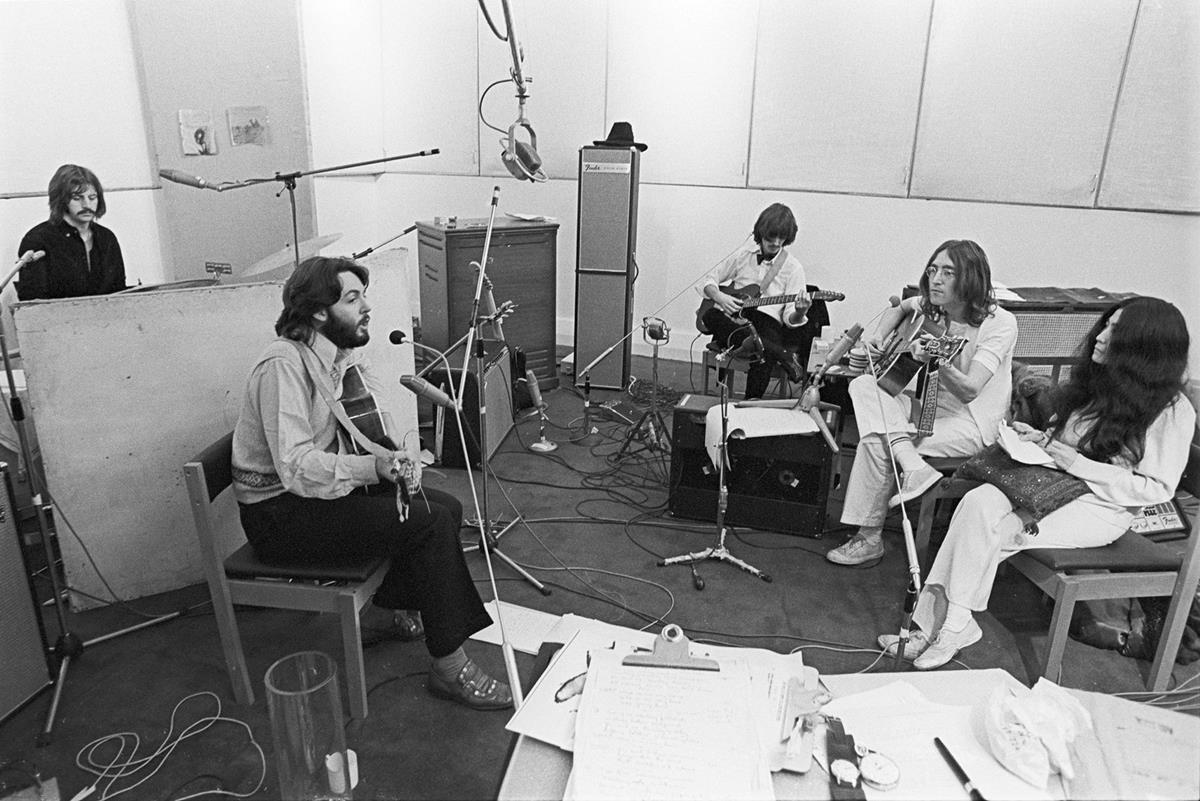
{"x": 242, "y": 579}
{"x": 1131, "y": 567}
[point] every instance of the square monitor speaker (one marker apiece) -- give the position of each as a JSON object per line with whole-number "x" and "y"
{"x": 23, "y": 655}
{"x": 498, "y": 400}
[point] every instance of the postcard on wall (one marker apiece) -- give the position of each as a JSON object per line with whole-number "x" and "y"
{"x": 196, "y": 132}
{"x": 248, "y": 125}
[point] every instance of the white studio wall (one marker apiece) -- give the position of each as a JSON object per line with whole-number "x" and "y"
{"x": 55, "y": 119}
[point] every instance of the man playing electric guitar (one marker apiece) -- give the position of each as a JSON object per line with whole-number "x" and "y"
{"x": 975, "y": 387}
{"x": 295, "y": 476}
{"x": 769, "y": 266}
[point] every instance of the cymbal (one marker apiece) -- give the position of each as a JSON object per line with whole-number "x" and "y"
{"x": 286, "y": 259}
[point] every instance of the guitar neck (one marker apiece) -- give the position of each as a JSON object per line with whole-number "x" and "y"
{"x": 769, "y": 300}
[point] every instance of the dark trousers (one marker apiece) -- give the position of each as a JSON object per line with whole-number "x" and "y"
{"x": 428, "y": 572}
{"x": 776, "y": 339}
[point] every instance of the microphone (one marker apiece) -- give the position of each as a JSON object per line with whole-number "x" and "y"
{"x": 178, "y": 177}
{"x": 840, "y": 349}
{"x": 894, "y": 301}
{"x": 535, "y": 391}
{"x": 521, "y": 158}
{"x": 423, "y": 389}
{"x": 396, "y": 337}
{"x": 29, "y": 257}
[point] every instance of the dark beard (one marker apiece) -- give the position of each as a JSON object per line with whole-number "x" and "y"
{"x": 344, "y": 335}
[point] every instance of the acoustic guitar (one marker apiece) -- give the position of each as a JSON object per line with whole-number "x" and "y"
{"x": 363, "y": 410}
{"x": 896, "y": 366}
{"x": 751, "y": 297}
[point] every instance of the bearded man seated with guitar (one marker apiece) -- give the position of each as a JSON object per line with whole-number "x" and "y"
{"x": 959, "y": 344}
{"x": 738, "y": 287}
{"x": 305, "y": 495}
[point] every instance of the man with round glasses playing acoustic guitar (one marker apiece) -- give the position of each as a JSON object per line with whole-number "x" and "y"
{"x": 738, "y": 287}
{"x": 940, "y": 386}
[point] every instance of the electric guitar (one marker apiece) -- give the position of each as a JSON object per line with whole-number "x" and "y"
{"x": 751, "y": 297}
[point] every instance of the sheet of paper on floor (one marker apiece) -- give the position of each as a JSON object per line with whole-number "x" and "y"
{"x": 899, "y": 722}
{"x": 667, "y": 733}
{"x": 526, "y": 628}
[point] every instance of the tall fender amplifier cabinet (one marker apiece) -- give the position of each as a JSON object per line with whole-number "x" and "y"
{"x": 497, "y": 394}
{"x": 777, "y": 483}
{"x": 604, "y": 265}
{"x": 522, "y": 267}
{"x": 24, "y": 668}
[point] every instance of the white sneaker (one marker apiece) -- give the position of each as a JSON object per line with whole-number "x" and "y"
{"x": 914, "y": 485}
{"x": 857, "y": 551}
{"x": 917, "y": 643}
{"x": 947, "y": 644}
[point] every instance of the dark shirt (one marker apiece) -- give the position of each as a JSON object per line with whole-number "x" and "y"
{"x": 64, "y": 271}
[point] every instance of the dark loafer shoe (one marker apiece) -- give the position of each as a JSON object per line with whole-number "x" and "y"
{"x": 473, "y": 688}
{"x": 402, "y": 625}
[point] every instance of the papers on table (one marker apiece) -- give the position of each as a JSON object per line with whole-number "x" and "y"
{"x": 667, "y": 733}
{"x": 898, "y": 721}
{"x": 1022, "y": 451}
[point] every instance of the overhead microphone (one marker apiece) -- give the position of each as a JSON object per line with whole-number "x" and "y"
{"x": 178, "y": 177}
{"x": 423, "y": 389}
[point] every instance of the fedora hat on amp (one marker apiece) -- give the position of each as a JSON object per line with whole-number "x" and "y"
{"x": 620, "y": 135}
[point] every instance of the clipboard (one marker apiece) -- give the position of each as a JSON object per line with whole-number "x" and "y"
{"x": 671, "y": 651}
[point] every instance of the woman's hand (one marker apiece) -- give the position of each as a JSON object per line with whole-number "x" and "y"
{"x": 1027, "y": 433}
{"x": 1064, "y": 455}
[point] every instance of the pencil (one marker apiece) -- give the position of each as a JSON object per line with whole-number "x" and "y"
{"x": 959, "y": 773}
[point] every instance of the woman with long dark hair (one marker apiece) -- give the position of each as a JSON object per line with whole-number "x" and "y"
{"x": 1122, "y": 424}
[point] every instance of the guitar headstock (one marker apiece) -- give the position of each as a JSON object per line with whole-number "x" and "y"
{"x": 944, "y": 347}
{"x": 487, "y": 280}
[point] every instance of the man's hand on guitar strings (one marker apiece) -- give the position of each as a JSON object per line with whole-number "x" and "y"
{"x": 728, "y": 303}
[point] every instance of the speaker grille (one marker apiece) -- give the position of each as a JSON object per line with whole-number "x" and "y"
{"x": 22, "y": 657}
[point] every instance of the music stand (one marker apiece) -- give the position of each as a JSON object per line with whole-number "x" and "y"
{"x": 655, "y": 334}
{"x": 719, "y": 551}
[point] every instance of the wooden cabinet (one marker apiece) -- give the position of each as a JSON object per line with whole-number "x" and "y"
{"x": 522, "y": 267}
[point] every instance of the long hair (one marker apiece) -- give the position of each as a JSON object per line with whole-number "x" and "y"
{"x": 313, "y": 287}
{"x": 776, "y": 220}
{"x": 67, "y": 180}
{"x": 1142, "y": 374}
{"x": 973, "y": 280}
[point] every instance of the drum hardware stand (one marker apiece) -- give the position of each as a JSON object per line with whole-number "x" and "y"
{"x": 68, "y": 646}
{"x": 719, "y": 551}
{"x": 656, "y": 333}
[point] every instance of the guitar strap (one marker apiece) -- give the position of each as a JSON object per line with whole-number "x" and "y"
{"x": 339, "y": 414}
{"x": 924, "y": 408}
{"x": 773, "y": 270}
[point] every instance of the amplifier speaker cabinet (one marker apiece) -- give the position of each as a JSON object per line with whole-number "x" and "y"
{"x": 497, "y": 394}
{"x": 23, "y": 663}
{"x": 776, "y": 483}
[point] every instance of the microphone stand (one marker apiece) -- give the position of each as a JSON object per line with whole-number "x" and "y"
{"x": 651, "y": 415}
{"x": 289, "y": 185}
{"x": 68, "y": 646}
{"x": 488, "y": 538}
{"x": 718, "y": 551}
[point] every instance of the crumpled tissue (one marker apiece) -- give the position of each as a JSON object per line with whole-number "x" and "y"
{"x": 1030, "y": 734}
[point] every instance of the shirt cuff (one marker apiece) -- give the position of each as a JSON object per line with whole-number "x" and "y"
{"x": 362, "y": 468}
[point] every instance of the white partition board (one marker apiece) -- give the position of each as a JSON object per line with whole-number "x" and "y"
{"x": 685, "y": 81}
{"x": 1154, "y": 157}
{"x": 564, "y": 65}
{"x": 125, "y": 388}
{"x": 1018, "y": 99}
{"x": 837, "y": 88}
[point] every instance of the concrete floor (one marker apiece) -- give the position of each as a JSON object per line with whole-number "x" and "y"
{"x": 594, "y": 530}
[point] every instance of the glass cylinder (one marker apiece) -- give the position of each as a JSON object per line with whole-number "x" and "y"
{"x": 305, "y": 705}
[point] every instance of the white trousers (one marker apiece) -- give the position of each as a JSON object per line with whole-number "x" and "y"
{"x": 880, "y": 416}
{"x": 985, "y": 530}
